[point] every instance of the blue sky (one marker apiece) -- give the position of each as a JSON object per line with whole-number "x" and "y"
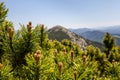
{"x": 68, "y": 13}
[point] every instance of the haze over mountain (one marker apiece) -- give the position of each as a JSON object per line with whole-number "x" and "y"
{"x": 111, "y": 29}
{"x": 60, "y": 33}
{"x": 80, "y": 30}
{"x": 98, "y": 33}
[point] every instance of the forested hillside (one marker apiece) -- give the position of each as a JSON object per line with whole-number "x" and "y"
{"x": 28, "y": 54}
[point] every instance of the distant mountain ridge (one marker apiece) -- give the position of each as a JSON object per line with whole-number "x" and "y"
{"x": 98, "y": 34}
{"x": 111, "y": 29}
{"x": 80, "y": 30}
{"x": 60, "y": 33}
{"x": 93, "y": 35}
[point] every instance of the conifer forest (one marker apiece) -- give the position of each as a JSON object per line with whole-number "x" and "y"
{"x": 28, "y": 54}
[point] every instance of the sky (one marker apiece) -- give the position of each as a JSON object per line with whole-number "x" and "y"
{"x": 67, "y": 13}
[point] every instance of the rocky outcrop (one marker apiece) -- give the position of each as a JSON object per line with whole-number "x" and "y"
{"x": 60, "y": 33}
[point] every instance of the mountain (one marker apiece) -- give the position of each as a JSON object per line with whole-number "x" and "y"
{"x": 60, "y": 33}
{"x": 80, "y": 30}
{"x": 98, "y": 36}
{"x": 117, "y": 38}
{"x": 94, "y": 35}
{"x": 98, "y": 33}
{"x": 111, "y": 29}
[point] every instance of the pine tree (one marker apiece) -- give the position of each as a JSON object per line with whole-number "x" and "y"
{"x": 109, "y": 43}
{"x": 5, "y": 70}
{"x": 41, "y": 34}
{"x": 24, "y": 42}
{"x": 4, "y": 26}
{"x": 3, "y": 12}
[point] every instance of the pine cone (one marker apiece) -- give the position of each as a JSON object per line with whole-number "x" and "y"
{"x": 84, "y": 58}
{"x": 11, "y": 32}
{"x": 75, "y": 75}
{"x": 72, "y": 56}
{"x": 37, "y": 55}
{"x": 1, "y": 65}
{"x": 60, "y": 64}
{"x": 29, "y": 26}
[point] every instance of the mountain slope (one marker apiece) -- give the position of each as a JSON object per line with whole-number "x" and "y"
{"x": 97, "y": 34}
{"x": 94, "y": 35}
{"x": 60, "y": 33}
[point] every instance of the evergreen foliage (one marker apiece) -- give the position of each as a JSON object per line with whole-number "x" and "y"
{"x": 109, "y": 43}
